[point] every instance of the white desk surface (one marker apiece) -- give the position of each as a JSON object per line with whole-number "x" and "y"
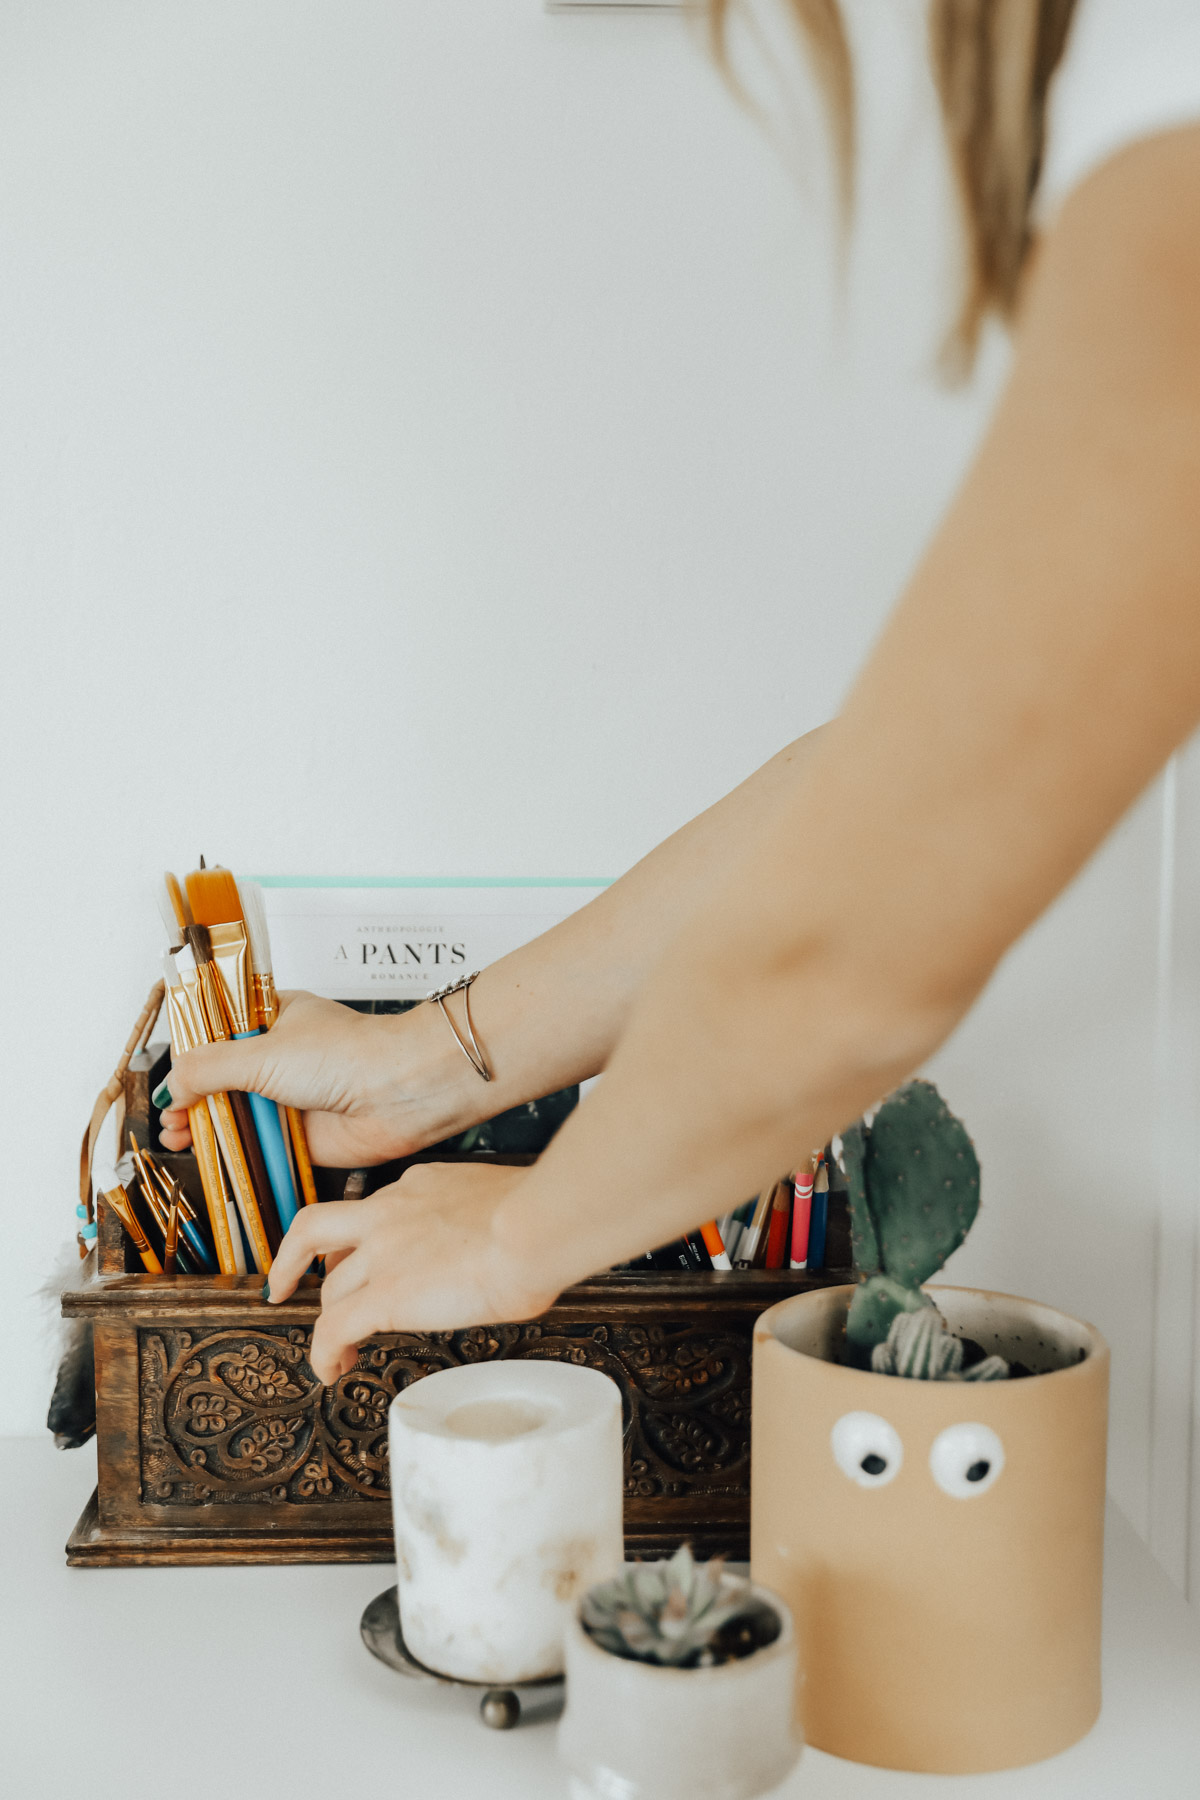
{"x": 248, "y": 1683}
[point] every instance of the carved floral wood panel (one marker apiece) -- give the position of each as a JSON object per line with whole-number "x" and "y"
{"x": 237, "y": 1415}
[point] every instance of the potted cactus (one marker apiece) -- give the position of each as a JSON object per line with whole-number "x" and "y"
{"x": 679, "y": 1686}
{"x": 928, "y": 1479}
{"x": 914, "y": 1195}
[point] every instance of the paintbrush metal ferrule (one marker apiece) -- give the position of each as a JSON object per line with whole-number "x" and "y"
{"x": 148, "y": 1189}
{"x": 254, "y": 913}
{"x": 179, "y": 1195}
{"x": 119, "y": 1202}
{"x": 171, "y": 1242}
{"x": 175, "y": 999}
{"x": 266, "y": 1001}
{"x": 157, "y": 1205}
{"x": 173, "y": 1020}
{"x": 171, "y": 1188}
{"x": 190, "y": 1003}
{"x": 207, "y": 985}
{"x": 229, "y": 954}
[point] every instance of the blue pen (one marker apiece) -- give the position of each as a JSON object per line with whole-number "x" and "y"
{"x": 270, "y": 1138}
{"x": 818, "y": 1219}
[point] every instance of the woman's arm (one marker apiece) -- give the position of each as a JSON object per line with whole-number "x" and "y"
{"x": 548, "y": 1014}
{"x": 1042, "y": 665}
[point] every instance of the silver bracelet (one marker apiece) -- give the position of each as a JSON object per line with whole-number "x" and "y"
{"x": 473, "y": 1053}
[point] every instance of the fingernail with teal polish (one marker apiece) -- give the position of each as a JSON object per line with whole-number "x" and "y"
{"x": 162, "y": 1097}
{"x": 266, "y": 1290}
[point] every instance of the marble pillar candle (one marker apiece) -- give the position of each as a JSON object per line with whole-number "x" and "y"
{"x": 507, "y": 1501}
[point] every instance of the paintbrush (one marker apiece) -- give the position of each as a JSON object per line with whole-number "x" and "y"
{"x": 185, "y": 1035}
{"x": 752, "y": 1236}
{"x": 220, "y": 1025}
{"x": 164, "y": 1209}
{"x": 222, "y": 1209}
{"x": 171, "y": 1248}
{"x": 118, "y": 1200}
{"x": 267, "y": 1008}
{"x": 204, "y": 1001}
{"x": 175, "y": 1195}
{"x": 146, "y": 1211}
{"x": 216, "y": 904}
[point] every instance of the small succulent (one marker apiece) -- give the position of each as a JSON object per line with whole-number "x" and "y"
{"x": 679, "y": 1614}
{"x": 919, "y": 1346}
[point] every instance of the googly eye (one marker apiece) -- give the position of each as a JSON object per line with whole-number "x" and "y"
{"x": 966, "y": 1460}
{"x": 866, "y": 1448}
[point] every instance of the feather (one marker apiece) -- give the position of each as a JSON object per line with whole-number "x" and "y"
{"x": 72, "y": 1414}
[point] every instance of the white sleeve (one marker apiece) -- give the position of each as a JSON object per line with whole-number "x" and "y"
{"x": 1131, "y": 68}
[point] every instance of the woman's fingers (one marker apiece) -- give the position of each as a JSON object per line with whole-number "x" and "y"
{"x": 174, "y": 1130}
{"x": 234, "y": 1066}
{"x": 345, "y": 1271}
{"x": 339, "y": 1331}
{"x": 417, "y": 1256}
{"x": 334, "y": 1225}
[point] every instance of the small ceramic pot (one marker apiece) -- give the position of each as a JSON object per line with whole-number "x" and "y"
{"x": 940, "y": 1543}
{"x": 636, "y": 1731}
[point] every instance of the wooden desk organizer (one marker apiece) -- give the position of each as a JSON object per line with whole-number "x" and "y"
{"x": 218, "y": 1445}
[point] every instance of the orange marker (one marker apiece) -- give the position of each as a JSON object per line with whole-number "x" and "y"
{"x": 714, "y": 1244}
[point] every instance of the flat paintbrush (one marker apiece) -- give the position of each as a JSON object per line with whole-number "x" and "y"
{"x": 205, "y": 1007}
{"x": 267, "y": 1006}
{"x": 221, "y": 1028}
{"x": 222, "y": 1209}
{"x": 185, "y": 1035}
{"x": 216, "y": 904}
{"x": 118, "y": 1201}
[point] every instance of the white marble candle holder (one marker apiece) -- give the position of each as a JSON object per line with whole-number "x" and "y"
{"x": 507, "y": 1501}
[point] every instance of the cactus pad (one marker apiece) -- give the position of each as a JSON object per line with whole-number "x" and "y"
{"x": 914, "y": 1193}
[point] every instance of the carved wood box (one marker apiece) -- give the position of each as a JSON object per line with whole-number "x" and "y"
{"x": 216, "y": 1443}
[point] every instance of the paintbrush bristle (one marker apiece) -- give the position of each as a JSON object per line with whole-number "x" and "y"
{"x": 172, "y": 924}
{"x": 176, "y": 901}
{"x": 199, "y": 943}
{"x": 255, "y": 914}
{"x": 214, "y": 897}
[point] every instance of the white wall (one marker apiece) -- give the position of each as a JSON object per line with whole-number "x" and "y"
{"x": 430, "y": 443}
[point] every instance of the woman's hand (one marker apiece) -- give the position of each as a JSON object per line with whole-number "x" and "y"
{"x": 371, "y": 1086}
{"x": 428, "y": 1253}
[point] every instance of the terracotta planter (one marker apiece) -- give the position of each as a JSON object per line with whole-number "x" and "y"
{"x": 940, "y": 1544}
{"x": 636, "y": 1731}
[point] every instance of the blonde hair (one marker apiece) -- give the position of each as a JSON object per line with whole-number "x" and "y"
{"x": 992, "y": 62}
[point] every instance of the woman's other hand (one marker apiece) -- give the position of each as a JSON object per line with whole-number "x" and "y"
{"x": 427, "y": 1253}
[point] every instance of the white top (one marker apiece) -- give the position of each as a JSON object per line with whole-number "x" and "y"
{"x": 1131, "y": 69}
